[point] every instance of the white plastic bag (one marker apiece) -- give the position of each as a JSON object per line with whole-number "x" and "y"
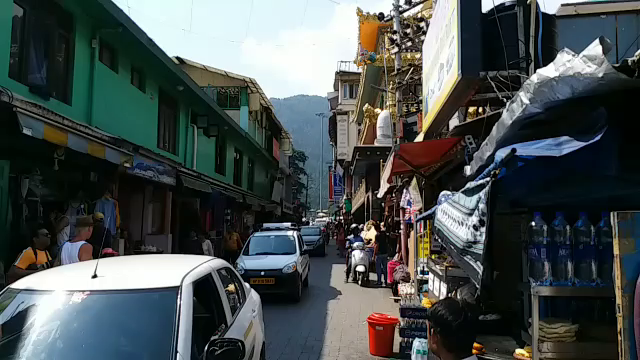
{"x": 420, "y": 349}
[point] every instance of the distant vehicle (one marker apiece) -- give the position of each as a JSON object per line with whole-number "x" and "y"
{"x": 137, "y": 307}
{"x": 314, "y": 240}
{"x": 321, "y": 221}
{"x": 279, "y": 226}
{"x": 275, "y": 261}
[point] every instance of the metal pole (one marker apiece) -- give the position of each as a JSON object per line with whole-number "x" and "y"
{"x": 306, "y": 198}
{"x": 321, "y": 160}
{"x": 397, "y": 27}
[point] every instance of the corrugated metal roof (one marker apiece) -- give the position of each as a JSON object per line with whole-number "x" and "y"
{"x": 252, "y": 84}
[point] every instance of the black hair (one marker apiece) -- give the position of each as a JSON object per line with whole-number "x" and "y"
{"x": 35, "y": 231}
{"x": 455, "y": 323}
{"x": 355, "y": 231}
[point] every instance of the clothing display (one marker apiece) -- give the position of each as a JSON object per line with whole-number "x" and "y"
{"x": 109, "y": 208}
{"x": 76, "y": 208}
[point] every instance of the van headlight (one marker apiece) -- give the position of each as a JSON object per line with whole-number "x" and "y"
{"x": 288, "y": 269}
{"x": 240, "y": 269}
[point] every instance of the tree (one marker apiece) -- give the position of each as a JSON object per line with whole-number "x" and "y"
{"x": 296, "y": 165}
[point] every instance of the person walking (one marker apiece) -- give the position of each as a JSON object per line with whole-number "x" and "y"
{"x": 207, "y": 248}
{"x": 381, "y": 253}
{"x": 60, "y": 226}
{"x": 78, "y": 249}
{"x": 340, "y": 239}
{"x": 35, "y": 257}
{"x": 232, "y": 246}
{"x": 451, "y": 330}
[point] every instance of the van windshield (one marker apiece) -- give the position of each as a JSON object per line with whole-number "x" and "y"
{"x": 131, "y": 324}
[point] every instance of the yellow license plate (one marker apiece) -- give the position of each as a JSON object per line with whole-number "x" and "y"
{"x": 262, "y": 281}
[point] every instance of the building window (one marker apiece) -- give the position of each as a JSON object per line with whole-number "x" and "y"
{"x": 41, "y": 49}
{"x": 137, "y": 79}
{"x": 108, "y": 56}
{"x": 354, "y": 90}
{"x": 167, "y": 123}
{"x": 345, "y": 91}
{"x": 237, "y": 167}
{"x": 228, "y": 98}
{"x": 250, "y": 174}
{"x": 221, "y": 156}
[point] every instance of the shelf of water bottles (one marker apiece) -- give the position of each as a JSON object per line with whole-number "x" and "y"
{"x": 413, "y": 322}
{"x": 570, "y": 256}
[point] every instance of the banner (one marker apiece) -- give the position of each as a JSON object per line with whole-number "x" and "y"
{"x": 338, "y": 187}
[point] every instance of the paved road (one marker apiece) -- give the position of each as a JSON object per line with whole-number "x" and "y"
{"x": 330, "y": 321}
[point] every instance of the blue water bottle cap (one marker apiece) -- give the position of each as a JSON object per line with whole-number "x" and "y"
{"x": 537, "y": 213}
{"x": 559, "y": 213}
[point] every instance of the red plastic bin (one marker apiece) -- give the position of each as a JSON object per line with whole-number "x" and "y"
{"x": 382, "y": 330}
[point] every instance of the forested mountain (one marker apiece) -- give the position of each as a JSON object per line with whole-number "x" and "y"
{"x": 298, "y": 116}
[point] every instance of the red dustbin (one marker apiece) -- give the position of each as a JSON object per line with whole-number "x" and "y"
{"x": 382, "y": 329}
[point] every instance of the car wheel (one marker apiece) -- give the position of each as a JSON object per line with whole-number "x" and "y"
{"x": 305, "y": 283}
{"x": 263, "y": 352}
{"x": 297, "y": 294}
{"x": 323, "y": 253}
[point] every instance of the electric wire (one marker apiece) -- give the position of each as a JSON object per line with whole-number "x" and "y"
{"x": 504, "y": 48}
{"x": 246, "y": 33}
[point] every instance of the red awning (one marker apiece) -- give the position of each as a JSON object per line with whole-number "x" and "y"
{"x": 415, "y": 157}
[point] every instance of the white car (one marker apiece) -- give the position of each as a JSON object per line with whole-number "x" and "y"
{"x": 275, "y": 261}
{"x": 133, "y": 307}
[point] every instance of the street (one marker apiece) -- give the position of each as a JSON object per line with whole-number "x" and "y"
{"x": 330, "y": 321}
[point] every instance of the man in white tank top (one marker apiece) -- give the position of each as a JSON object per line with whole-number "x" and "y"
{"x": 78, "y": 249}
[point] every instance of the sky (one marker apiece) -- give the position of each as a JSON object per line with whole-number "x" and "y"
{"x": 290, "y": 47}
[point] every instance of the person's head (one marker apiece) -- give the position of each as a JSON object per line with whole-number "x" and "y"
{"x": 201, "y": 237}
{"x": 193, "y": 234}
{"x": 40, "y": 237}
{"x": 451, "y": 329}
{"x": 98, "y": 218}
{"x": 84, "y": 227}
{"x": 355, "y": 231}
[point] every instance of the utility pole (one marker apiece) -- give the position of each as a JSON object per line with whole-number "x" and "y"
{"x": 322, "y": 116}
{"x": 398, "y": 65}
{"x": 306, "y": 198}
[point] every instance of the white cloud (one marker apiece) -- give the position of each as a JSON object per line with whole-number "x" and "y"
{"x": 303, "y": 60}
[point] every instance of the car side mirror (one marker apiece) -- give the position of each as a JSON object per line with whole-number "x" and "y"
{"x": 305, "y": 252}
{"x": 226, "y": 349}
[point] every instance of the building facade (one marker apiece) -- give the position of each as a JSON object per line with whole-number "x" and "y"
{"x": 96, "y": 116}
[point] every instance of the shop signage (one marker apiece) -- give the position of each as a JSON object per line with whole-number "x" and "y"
{"x": 152, "y": 170}
{"x": 451, "y": 55}
{"x": 330, "y": 185}
{"x": 287, "y": 207}
{"x": 338, "y": 187}
{"x": 342, "y": 137}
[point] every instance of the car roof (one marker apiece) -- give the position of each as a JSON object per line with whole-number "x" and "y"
{"x": 118, "y": 273}
{"x": 310, "y": 226}
{"x": 275, "y": 232}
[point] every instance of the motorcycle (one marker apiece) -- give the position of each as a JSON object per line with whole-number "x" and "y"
{"x": 360, "y": 260}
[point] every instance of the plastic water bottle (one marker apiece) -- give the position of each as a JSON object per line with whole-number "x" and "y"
{"x": 560, "y": 244}
{"x": 584, "y": 252}
{"x": 604, "y": 242}
{"x": 538, "y": 251}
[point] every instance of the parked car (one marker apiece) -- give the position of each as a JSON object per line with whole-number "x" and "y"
{"x": 314, "y": 240}
{"x": 133, "y": 307}
{"x": 275, "y": 261}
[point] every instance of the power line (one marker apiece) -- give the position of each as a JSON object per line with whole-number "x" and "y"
{"x": 304, "y": 13}
{"x": 246, "y": 33}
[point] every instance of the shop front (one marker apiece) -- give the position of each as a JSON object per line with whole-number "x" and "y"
{"x": 50, "y": 170}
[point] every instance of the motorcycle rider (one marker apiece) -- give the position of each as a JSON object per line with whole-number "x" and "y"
{"x": 355, "y": 232}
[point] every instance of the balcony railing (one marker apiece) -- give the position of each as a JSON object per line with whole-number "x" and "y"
{"x": 358, "y": 198}
{"x": 347, "y": 66}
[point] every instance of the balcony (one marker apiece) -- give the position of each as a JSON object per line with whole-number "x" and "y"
{"x": 358, "y": 198}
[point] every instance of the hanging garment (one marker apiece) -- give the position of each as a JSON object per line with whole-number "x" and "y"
{"x": 75, "y": 209}
{"x": 107, "y": 206}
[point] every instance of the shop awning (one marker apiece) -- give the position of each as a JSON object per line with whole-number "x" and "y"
{"x": 414, "y": 158}
{"x": 41, "y": 128}
{"x": 195, "y": 184}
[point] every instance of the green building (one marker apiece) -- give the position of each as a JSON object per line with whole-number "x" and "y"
{"x": 93, "y": 112}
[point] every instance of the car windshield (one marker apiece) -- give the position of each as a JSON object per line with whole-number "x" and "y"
{"x": 310, "y": 231}
{"x": 270, "y": 245}
{"x": 132, "y": 324}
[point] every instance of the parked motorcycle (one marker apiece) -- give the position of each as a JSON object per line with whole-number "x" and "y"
{"x": 360, "y": 260}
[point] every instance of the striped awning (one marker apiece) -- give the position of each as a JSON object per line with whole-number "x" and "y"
{"x": 40, "y": 128}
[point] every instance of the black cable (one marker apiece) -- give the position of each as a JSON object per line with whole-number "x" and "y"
{"x": 633, "y": 42}
{"x": 504, "y": 48}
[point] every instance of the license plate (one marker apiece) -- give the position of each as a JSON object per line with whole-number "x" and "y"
{"x": 262, "y": 281}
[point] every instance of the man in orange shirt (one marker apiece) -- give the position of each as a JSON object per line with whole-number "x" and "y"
{"x": 35, "y": 257}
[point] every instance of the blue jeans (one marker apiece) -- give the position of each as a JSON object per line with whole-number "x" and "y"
{"x": 381, "y": 267}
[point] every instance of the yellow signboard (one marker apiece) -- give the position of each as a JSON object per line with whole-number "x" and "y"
{"x": 440, "y": 56}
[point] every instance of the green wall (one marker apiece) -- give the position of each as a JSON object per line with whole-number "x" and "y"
{"x": 122, "y": 110}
